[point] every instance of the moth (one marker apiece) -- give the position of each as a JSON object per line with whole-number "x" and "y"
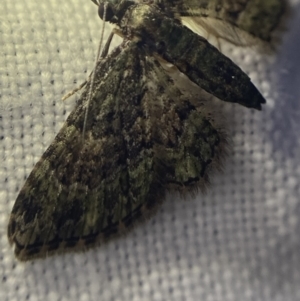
{"x": 143, "y": 136}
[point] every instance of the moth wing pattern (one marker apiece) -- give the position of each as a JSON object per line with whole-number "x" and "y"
{"x": 140, "y": 141}
{"x": 194, "y": 56}
{"x": 242, "y": 23}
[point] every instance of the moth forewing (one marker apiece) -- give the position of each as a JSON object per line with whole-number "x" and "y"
{"x": 139, "y": 144}
{"x": 144, "y": 136}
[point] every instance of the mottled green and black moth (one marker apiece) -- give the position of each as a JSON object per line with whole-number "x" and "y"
{"x": 143, "y": 136}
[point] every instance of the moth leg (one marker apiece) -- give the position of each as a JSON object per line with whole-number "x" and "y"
{"x": 107, "y": 45}
{"x": 69, "y": 94}
{"x": 118, "y": 32}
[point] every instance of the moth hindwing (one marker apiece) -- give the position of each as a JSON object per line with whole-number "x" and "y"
{"x": 231, "y": 19}
{"x": 143, "y": 136}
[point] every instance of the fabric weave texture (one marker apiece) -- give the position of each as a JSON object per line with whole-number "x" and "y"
{"x": 240, "y": 241}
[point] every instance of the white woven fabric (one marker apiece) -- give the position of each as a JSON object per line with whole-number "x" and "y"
{"x": 239, "y": 242}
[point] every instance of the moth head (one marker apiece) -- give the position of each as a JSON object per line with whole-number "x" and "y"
{"x": 112, "y": 10}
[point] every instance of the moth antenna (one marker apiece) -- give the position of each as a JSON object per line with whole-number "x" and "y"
{"x": 93, "y": 75}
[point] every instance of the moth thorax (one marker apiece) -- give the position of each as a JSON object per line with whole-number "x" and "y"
{"x": 142, "y": 17}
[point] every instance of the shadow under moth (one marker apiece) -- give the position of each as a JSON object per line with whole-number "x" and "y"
{"x": 134, "y": 134}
